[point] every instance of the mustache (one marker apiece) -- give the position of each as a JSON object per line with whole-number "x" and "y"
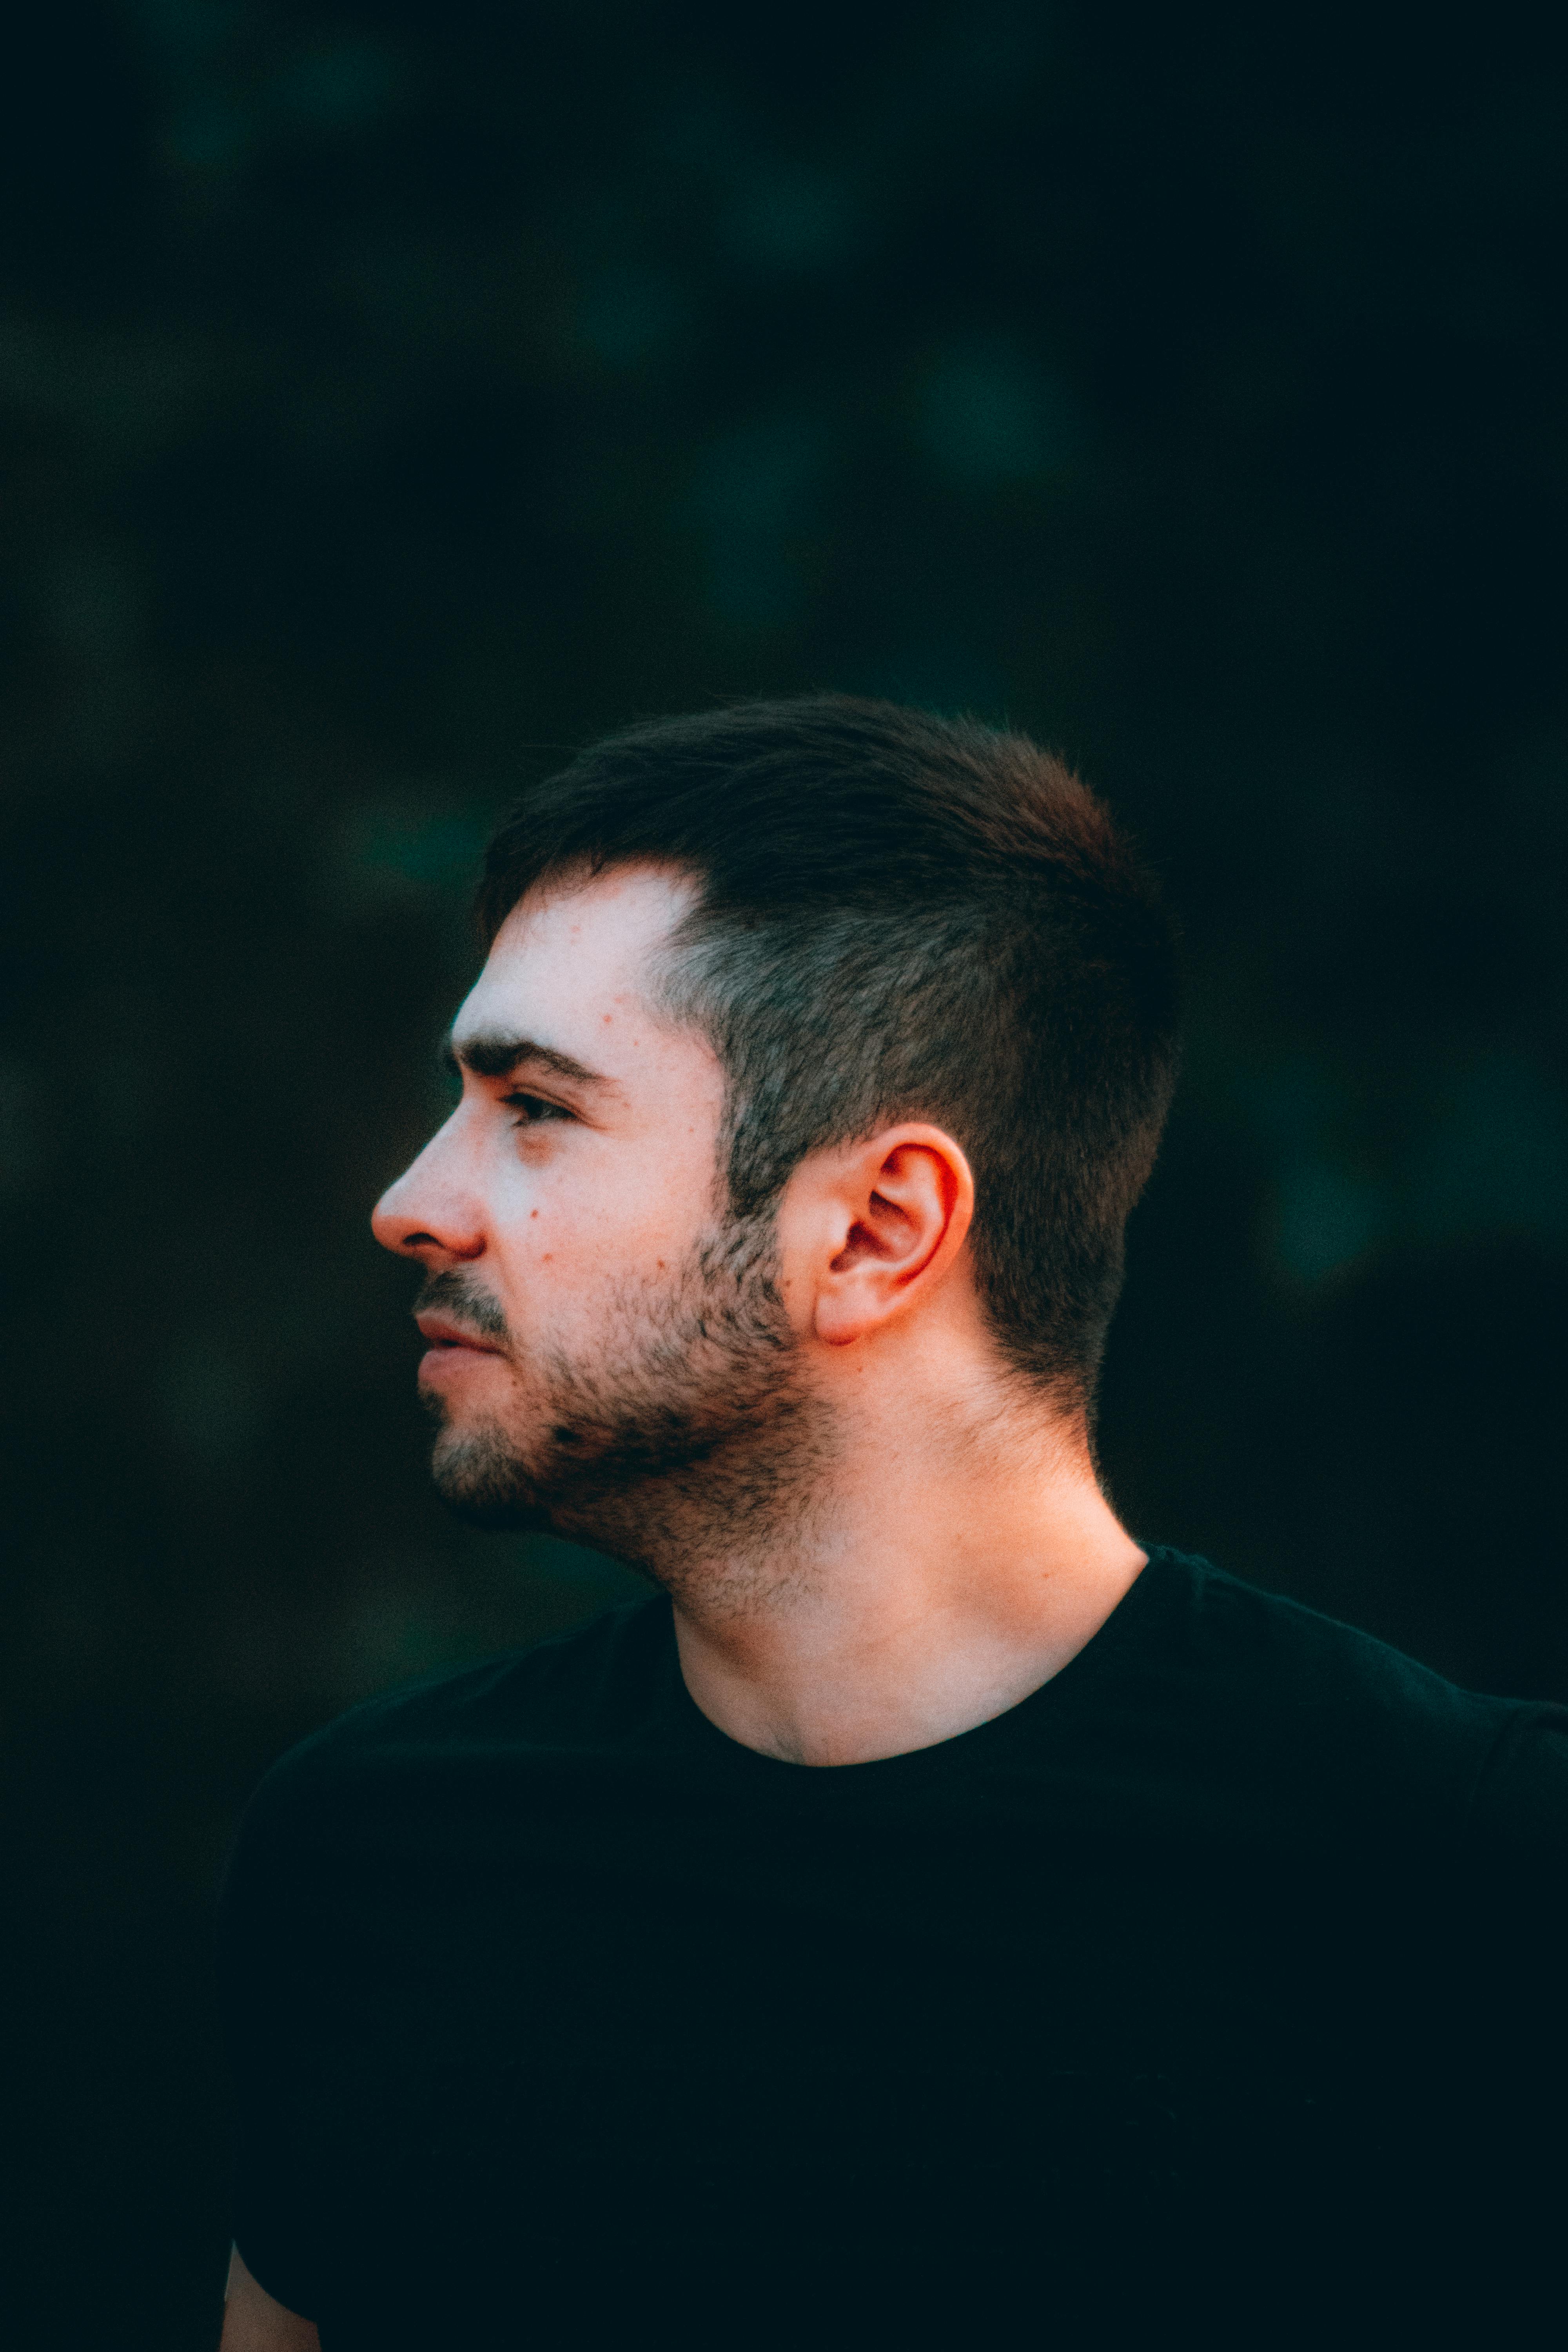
{"x": 466, "y": 1302}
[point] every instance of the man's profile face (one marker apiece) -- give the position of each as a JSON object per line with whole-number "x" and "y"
{"x": 593, "y": 1319}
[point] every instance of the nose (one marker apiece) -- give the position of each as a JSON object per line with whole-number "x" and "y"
{"x": 431, "y": 1213}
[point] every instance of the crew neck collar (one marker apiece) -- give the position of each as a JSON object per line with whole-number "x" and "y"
{"x": 1058, "y": 1698}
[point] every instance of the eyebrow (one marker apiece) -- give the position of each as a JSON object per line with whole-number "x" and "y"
{"x": 497, "y": 1052}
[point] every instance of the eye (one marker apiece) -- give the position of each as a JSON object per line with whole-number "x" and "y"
{"x": 533, "y": 1109}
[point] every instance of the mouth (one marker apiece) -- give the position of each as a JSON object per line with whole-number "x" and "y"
{"x": 444, "y": 1339}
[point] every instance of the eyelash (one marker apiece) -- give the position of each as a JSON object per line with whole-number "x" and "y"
{"x": 541, "y": 1111}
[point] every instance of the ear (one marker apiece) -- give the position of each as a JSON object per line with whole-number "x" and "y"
{"x": 874, "y": 1228}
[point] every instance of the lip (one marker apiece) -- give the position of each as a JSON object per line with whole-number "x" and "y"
{"x": 445, "y": 1338}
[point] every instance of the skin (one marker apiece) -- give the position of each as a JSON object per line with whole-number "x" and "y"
{"x": 253, "y": 2322}
{"x": 953, "y": 1550}
{"x": 945, "y": 1550}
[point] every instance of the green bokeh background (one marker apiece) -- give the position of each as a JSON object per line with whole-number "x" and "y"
{"x": 394, "y": 397}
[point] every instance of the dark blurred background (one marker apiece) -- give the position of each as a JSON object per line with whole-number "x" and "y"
{"x": 394, "y": 398}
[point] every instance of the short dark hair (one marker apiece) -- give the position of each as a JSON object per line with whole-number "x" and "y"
{"x": 902, "y": 916}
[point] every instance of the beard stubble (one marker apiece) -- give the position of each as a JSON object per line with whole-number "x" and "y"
{"x": 686, "y": 1445}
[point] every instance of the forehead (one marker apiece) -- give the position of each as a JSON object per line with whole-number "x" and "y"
{"x": 570, "y": 966}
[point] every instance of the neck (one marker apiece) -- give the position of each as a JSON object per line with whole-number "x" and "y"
{"x": 925, "y": 1584}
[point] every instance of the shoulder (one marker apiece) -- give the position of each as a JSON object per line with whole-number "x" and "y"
{"x": 1361, "y": 1730}
{"x": 564, "y": 1699}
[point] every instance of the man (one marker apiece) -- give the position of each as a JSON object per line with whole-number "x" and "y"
{"x": 932, "y": 1913}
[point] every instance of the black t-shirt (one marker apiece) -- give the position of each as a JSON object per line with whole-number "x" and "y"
{"x": 559, "y": 2017}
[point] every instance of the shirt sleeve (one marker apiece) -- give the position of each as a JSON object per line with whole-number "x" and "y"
{"x": 266, "y": 1931}
{"x": 1520, "y": 1806}
{"x": 1514, "y": 1897}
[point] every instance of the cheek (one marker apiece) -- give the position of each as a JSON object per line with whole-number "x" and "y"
{"x": 567, "y": 1268}
{"x": 591, "y": 1216}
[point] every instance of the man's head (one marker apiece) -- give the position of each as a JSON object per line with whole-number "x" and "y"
{"x": 812, "y": 982}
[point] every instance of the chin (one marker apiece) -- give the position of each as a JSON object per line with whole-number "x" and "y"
{"x": 482, "y": 1483}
